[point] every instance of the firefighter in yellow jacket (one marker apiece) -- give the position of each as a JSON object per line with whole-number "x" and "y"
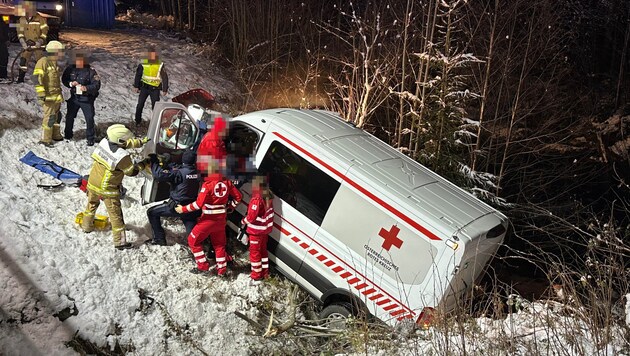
{"x": 32, "y": 31}
{"x": 48, "y": 90}
{"x": 112, "y": 163}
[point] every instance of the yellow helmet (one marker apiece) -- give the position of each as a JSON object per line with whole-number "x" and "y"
{"x": 54, "y": 46}
{"x": 118, "y": 134}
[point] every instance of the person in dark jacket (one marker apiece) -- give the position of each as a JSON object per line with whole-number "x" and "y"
{"x": 84, "y": 84}
{"x": 4, "y": 42}
{"x": 150, "y": 79}
{"x": 184, "y": 180}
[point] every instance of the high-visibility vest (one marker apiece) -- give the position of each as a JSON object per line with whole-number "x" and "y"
{"x": 151, "y": 73}
{"x": 109, "y": 169}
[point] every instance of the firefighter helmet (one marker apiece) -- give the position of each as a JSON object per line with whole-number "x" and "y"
{"x": 54, "y": 46}
{"x": 118, "y": 134}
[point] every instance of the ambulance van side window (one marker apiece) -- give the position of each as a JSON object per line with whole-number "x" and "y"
{"x": 298, "y": 182}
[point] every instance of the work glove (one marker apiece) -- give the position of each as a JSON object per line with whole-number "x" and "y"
{"x": 39, "y": 43}
{"x": 153, "y": 158}
{"x": 144, "y": 163}
{"x": 23, "y": 43}
{"x": 30, "y": 43}
{"x": 41, "y": 100}
{"x": 136, "y": 142}
{"x": 164, "y": 158}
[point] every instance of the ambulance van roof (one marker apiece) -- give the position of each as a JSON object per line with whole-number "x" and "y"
{"x": 379, "y": 170}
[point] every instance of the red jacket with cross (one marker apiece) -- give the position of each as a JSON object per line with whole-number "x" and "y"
{"x": 259, "y": 218}
{"x": 213, "y": 198}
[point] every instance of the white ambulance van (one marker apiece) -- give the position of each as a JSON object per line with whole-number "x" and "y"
{"x": 359, "y": 225}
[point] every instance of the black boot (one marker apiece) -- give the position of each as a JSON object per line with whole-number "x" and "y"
{"x": 21, "y": 77}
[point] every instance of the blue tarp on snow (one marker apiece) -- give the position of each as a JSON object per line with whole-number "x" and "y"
{"x": 89, "y": 13}
{"x": 63, "y": 174}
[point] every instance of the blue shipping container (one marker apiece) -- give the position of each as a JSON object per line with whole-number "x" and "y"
{"x": 89, "y": 13}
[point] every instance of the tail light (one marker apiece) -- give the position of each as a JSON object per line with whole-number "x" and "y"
{"x": 426, "y": 318}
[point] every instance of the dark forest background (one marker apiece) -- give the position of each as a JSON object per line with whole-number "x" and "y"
{"x": 523, "y": 103}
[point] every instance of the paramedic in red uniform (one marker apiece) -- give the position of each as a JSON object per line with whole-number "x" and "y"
{"x": 213, "y": 201}
{"x": 259, "y": 221}
{"x": 212, "y": 146}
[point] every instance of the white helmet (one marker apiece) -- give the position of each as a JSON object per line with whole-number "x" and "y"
{"x": 54, "y": 46}
{"x": 118, "y": 134}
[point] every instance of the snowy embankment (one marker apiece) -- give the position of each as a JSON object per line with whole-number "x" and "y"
{"x": 50, "y": 270}
{"x": 56, "y": 281}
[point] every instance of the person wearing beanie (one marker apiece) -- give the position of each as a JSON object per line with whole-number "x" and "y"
{"x": 112, "y": 163}
{"x": 184, "y": 180}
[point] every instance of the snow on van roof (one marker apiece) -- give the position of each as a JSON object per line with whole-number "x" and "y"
{"x": 359, "y": 156}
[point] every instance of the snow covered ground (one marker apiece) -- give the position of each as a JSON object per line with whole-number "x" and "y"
{"x": 48, "y": 265}
{"x": 56, "y": 281}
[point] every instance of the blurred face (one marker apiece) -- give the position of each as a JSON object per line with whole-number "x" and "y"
{"x": 259, "y": 185}
{"x": 79, "y": 62}
{"x": 57, "y": 55}
{"x": 29, "y": 8}
{"x": 152, "y": 55}
{"x": 256, "y": 182}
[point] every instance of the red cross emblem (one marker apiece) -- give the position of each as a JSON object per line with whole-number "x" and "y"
{"x": 220, "y": 189}
{"x": 390, "y": 237}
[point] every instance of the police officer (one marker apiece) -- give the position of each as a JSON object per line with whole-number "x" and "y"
{"x": 32, "y": 31}
{"x": 184, "y": 180}
{"x": 150, "y": 78}
{"x": 48, "y": 90}
{"x": 4, "y": 50}
{"x": 84, "y": 84}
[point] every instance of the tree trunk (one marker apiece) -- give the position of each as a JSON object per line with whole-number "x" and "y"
{"x": 515, "y": 107}
{"x": 484, "y": 92}
{"x": 403, "y": 76}
{"x": 180, "y": 23}
{"x": 190, "y": 15}
{"x": 622, "y": 61}
{"x": 424, "y": 74}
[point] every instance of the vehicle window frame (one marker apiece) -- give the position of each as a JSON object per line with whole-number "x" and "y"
{"x": 183, "y": 119}
{"x": 315, "y": 191}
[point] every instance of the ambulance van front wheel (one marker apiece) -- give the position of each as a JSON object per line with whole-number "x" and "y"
{"x": 335, "y": 315}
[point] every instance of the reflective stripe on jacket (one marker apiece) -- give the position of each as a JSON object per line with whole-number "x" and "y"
{"x": 33, "y": 29}
{"x": 111, "y": 164}
{"x": 151, "y": 73}
{"x": 259, "y": 218}
{"x": 213, "y": 198}
{"x": 47, "y": 82}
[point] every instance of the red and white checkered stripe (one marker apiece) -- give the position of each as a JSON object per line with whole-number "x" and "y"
{"x": 370, "y": 290}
